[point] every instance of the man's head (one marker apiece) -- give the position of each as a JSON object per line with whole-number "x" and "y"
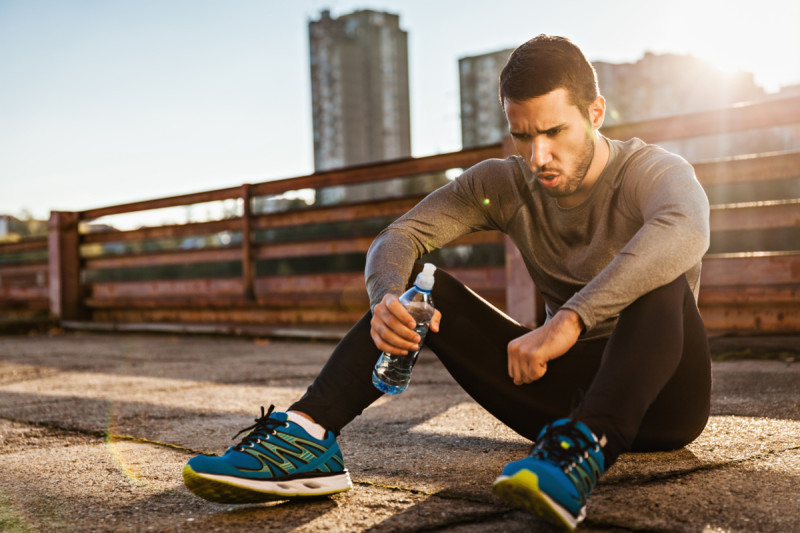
{"x": 544, "y": 64}
{"x": 549, "y": 94}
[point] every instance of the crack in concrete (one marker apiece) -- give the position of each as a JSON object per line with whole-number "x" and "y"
{"x": 104, "y": 435}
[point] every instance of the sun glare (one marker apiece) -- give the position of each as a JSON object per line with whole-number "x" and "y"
{"x": 755, "y": 37}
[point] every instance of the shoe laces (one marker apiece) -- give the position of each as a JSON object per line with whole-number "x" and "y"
{"x": 264, "y": 427}
{"x": 568, "y": 447}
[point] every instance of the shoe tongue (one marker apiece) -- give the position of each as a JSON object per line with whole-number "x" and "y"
{"x": 280, "y": 416}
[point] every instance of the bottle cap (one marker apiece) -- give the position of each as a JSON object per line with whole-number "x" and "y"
{"x": 425, "y": 278}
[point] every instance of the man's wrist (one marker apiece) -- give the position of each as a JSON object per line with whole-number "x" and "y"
{"x": 570, "y": 319}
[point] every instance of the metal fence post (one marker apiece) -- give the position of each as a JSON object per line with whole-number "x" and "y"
{"x": 64, "y": 266}
{"x": 248, "y": 266}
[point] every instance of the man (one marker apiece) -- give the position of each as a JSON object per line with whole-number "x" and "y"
{"x": 611, "y": 232}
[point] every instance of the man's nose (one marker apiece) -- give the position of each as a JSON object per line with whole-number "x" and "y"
{"x": 540, "y": 152}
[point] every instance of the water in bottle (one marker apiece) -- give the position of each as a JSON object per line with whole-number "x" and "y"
{"x": 393, "y": 372}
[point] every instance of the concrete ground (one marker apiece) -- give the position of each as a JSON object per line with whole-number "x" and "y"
{"x": 95, "y": 428}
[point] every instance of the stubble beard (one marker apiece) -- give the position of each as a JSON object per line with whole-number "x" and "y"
{"x": 573, "y": 181}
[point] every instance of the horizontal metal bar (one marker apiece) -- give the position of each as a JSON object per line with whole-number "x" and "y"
{"x": 163, "y": 232}
{"x": 348, "y": 212}
{"x": 274, "y": 317}
{"x": 144, "y": 289}
{"x": 23, "y": 268}
{"x": 354, "y": 174}
{"x": 312, "y": 248}
{"x": 24, "y": 293}
{"x": 749, "y": 295}
{"x": 750, "y": 116}
{"x": 352, "y": 245}
{"x": 27, "y": 303}
{"x": 176, "y": 257}
{"x": 751, "y": 269}
{"x": 756, "y": 215}
{"x": 750, "y": 168}
{"x": 189, "y": 301}
{"x": 27, "y": 245}
{"x": 382, "y": 170}
{"x": 760, "y": 318}
{"x": 314, "y": 331}
{"x": 160, "y": 203}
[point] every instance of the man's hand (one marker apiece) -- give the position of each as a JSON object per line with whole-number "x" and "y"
{"x": 528, "y": 355}
{"x": 392, "y": 327}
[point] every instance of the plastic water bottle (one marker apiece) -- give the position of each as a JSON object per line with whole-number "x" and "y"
{"x": 393, "y": 372}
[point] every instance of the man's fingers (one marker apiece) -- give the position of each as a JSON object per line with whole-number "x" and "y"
{"x": 535, "y": 371}
{"x": 437, "y": 318}
{"x": 390, "y": 329}
{"x": 384, "y": 346}
{"x": 388, "y": 340}
{"x": 524, "y": 364}
{"x": 395, "y": 314}
{"x": 514, "y": 370}
{"x": 401, "y": 314}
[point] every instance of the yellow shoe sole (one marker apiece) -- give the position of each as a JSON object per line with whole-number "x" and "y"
{"x": 521, "y": 490}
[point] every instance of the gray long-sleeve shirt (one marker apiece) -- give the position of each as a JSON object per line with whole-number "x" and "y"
{"x": 645, "y": 222}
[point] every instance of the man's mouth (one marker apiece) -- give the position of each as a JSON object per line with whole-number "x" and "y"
{"x": 548, "y": 179}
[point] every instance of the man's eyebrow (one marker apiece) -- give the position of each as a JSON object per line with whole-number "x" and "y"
{"x": 554, "y": 129}
{"x": 548, "y": 131}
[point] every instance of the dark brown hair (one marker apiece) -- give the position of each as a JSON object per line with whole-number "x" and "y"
{"x": 544, "y": 64}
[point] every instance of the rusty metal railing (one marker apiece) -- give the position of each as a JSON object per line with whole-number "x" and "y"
{"x": 300, "y": 264}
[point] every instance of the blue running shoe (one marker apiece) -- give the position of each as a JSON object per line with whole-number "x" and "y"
{"x": 558, "y": 475}
{"x": 277, "y": 460}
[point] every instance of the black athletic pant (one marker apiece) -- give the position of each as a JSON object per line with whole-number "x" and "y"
{"x": 646, "y": 388}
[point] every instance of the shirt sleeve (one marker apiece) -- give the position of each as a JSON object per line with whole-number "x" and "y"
{"x": 465, "y": 205}
{"x": 664, "y": 192}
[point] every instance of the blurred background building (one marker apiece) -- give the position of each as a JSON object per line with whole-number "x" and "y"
{"x": 359, "y": 89}
{"x": 360, "y": 101}
{"x": 663, "y": 85}
{"x": 657, "y": 85}
{"x": 482, "y": 118}
{"x": 13, "y": 228}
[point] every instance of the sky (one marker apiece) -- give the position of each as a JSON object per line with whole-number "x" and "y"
{"x": 105, "y": 102}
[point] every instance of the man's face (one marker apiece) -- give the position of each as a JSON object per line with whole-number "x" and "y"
{"x": 556, "y": 140}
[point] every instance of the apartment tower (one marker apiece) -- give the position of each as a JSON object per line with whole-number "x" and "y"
{"x": 482, "y": 117}
{"x": 359, "y": 89}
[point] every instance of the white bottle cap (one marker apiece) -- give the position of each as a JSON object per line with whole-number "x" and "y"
{"x": 425, "y": 278}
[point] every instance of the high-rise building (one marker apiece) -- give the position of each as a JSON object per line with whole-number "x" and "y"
{"x": 359, "y": 89}
{"x": 482, "y": 118}
{"x": 662, "y": 85}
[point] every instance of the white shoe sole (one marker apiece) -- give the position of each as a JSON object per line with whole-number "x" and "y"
{"x": 231, "y": 489}
{"x": 314, "y": 486}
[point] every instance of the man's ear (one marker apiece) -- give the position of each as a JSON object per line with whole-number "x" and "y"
{"x": 597, "y": 112}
